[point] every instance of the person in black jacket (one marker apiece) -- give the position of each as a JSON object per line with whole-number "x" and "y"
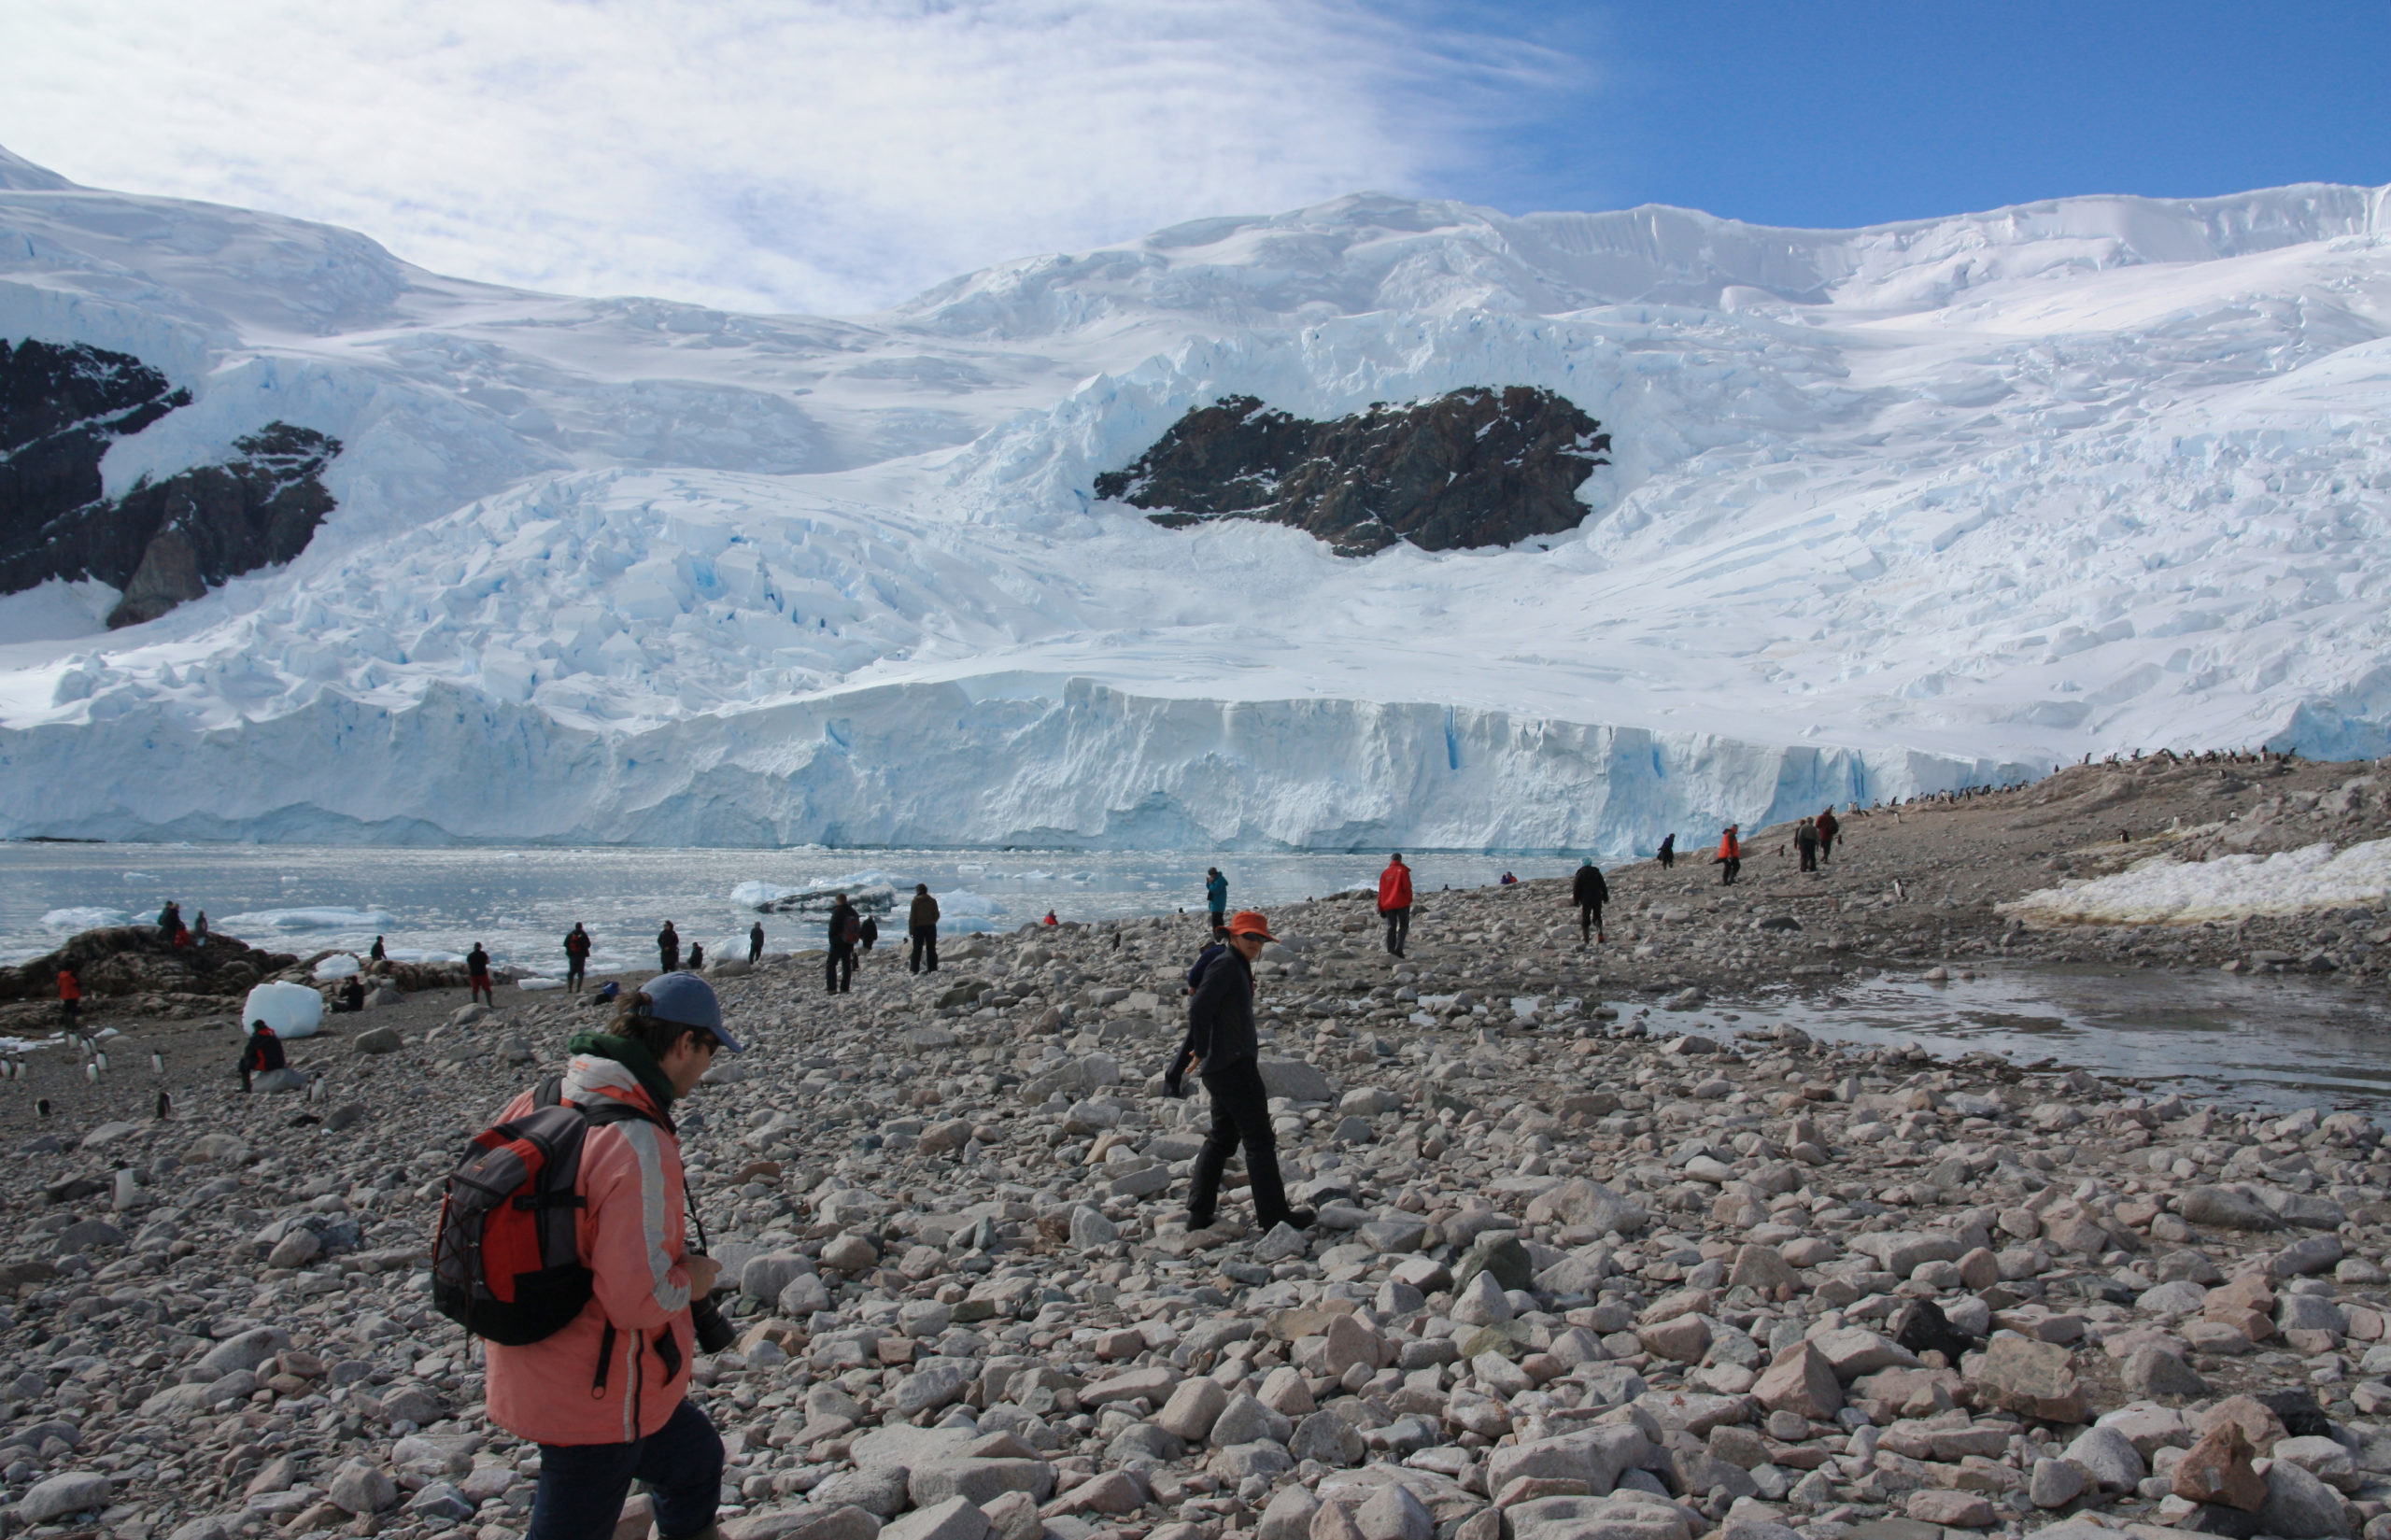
{"x": 1589, "y": 892}
{"x": 843, "y": 931}
{"x": 1220, "y": 1046}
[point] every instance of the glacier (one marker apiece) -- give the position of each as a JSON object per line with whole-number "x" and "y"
{"x": 1891, "y": 510}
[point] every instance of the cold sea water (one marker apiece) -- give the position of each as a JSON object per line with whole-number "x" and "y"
{"x": 2279, "y": 1042}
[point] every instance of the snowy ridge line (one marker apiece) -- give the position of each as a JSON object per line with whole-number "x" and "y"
{"x": 1086, "y": 766}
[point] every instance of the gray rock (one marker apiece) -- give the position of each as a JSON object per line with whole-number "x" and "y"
{"x": 2300, "y": 1507}
{"x": 1296, "y": 1081}
{"x": 2310, "y": 1313}
{"x": 981, "y": 1480}
{"x": 360, "y": 1488}
{"x": 1244, "y": 1420}
{"x": 802, "y": 1296}
{"x": 765, "y": 1276}
{"x": 2109, "y": 1458}
{"x": 441, "y": 1500}
{"x": 880, "y": 1489}
{"x": 2226, "y": 1210}
{"x": 2055, "y": 1483}
{"x": 244, "y": 1351}
{"x": 69, "y": 1491}
{"x": 1392, "y": 1513}
{"x": 378, "y": 1039}
{"x": 1289, "y": 1515}
{"x": 1328, "y": 1439}
{"x": 2152, "y": 1372}
{"x": 1194, "y": 1407}
{"x": 933, "y": 1386}
{"x": 86, "y": 1235}
{"x": 2309, "y": 1254}
{"x": 956, "y": 1519}
{"x": 1234, "y": 1463}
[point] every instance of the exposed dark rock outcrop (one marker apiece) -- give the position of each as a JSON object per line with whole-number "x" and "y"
{"x": 1474, "y": 467}
{"x": 140, "y": 960}
{"x": 161, "y": 543}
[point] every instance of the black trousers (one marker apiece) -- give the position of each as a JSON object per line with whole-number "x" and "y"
{"x": 1826, "y": 847}
{"x": 1590, "y": 919}
{"x": 924, "y": 947}
{"x": 839, "y": 968}
{"x": 754, "y": 949}
{"x": 1729, "y": 869}
{"x": 1809, "y": 857}
{"x": 1668, "y": 860}
{"x": 574, "y": 969}
{"x": 1398, "y": 928}
{"x": 1240, "y": 1115}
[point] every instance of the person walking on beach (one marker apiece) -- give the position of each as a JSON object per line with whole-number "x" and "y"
{"x": 1216, "y": 895}
{"x": 1589, "y": 892}
{"x": 605, "y": 1396}
{"x": 576, "y": 957}
{"x": 1827, "y": 826}
{"x": 70, "y": 998}
{"x": 1668, "y": 852}
{"x": 1805, "y": 840}
{"x": 1395, "y": 903}
{"x": 845, "y": 930}
{"x": 1220, "y": 1047}
{"x": 1731, "y": 857}
{"x": 921, "y": 924}
{"x": 668, "y": 948}
{"x": 756, "y": 943}
{"x": 477, "y": 975}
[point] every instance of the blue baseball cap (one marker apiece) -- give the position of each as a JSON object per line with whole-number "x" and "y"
{"x": 689, "y": 1000}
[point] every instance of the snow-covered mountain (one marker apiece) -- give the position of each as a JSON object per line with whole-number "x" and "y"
{"x": 1886, "y": 510}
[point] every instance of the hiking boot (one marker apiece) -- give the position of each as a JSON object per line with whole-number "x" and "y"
{"x": 1198, "y": 1222}
{"x": 1300, "y": 1218}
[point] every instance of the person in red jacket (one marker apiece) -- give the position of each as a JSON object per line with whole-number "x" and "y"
{"x": 1395, "y": 903}
{"x": 1731, "y": 857}
{"x": 70, "y": 998}
{"x": 607, "y": 1398}
{"x": 1827, "y": 826}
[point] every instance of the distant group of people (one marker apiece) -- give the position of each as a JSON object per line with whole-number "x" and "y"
{"x": 170, "y": 922}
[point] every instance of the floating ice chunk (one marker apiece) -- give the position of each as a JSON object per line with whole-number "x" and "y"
{"x": 74, "y": 920}
{"x": 305, "y": 919}
{"x": 2169, "y": 892}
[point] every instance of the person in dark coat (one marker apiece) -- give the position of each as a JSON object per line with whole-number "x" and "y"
{"x": 1206, "y": 958}
{"x": 263, "y": 1066}
{"x": 477, "y": 975}
{"x": 844, "y": 930}
{"x": 1220, "y": 1047}
{"x": 576, "y": 957}
{"x": 921, "y": 924}
{"x": 170, "y": 919}
{"x": 1668, "y": 852}
{"x": 668, "y": 948}
{"x": 869, "y": 932}
{"x": 1805, "y": 841}
{"x": 1828, "y": 827}
{"x": 1589, "y": 892}
{"x": 756, "y": 943}
{"x": 378, "y": 953}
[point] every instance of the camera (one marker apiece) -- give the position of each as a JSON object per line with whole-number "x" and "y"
{"x": 714, "y": 1334}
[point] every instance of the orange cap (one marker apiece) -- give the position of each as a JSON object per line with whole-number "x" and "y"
{"x": 1247, "y": 922}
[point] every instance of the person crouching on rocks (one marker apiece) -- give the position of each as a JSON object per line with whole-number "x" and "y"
{"x": 1220, "y": 1046}
{"x": 262, "y": 1065}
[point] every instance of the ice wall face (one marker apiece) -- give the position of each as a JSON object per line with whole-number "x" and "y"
{"x": 1886, "y": 510}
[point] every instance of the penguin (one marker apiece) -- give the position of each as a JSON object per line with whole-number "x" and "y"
{"x": 157, "y": 1061}
{"x": 91, "y": 1073}
{"x": 166, "y": 1106}
{"x": 41, "y": 1105}
{"x": 100, "y": 1057}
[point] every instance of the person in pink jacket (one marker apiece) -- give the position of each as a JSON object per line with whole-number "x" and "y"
{"x": 607, "y": 1398}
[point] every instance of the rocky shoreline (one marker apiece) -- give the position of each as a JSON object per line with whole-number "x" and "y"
{"x": 1574, "y": 1278}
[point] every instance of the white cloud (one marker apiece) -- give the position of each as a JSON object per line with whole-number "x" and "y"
{"x": 764, "y": 154}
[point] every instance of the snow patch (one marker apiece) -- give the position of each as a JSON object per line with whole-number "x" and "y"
{"x": 2169, "y": 891}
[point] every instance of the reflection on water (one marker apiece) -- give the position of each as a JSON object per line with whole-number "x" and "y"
{"x": 2277, "y": 1042}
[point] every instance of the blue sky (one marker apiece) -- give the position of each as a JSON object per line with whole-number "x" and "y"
{"x": 1832, "y": 113}
{"x": 839, "y": 155}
